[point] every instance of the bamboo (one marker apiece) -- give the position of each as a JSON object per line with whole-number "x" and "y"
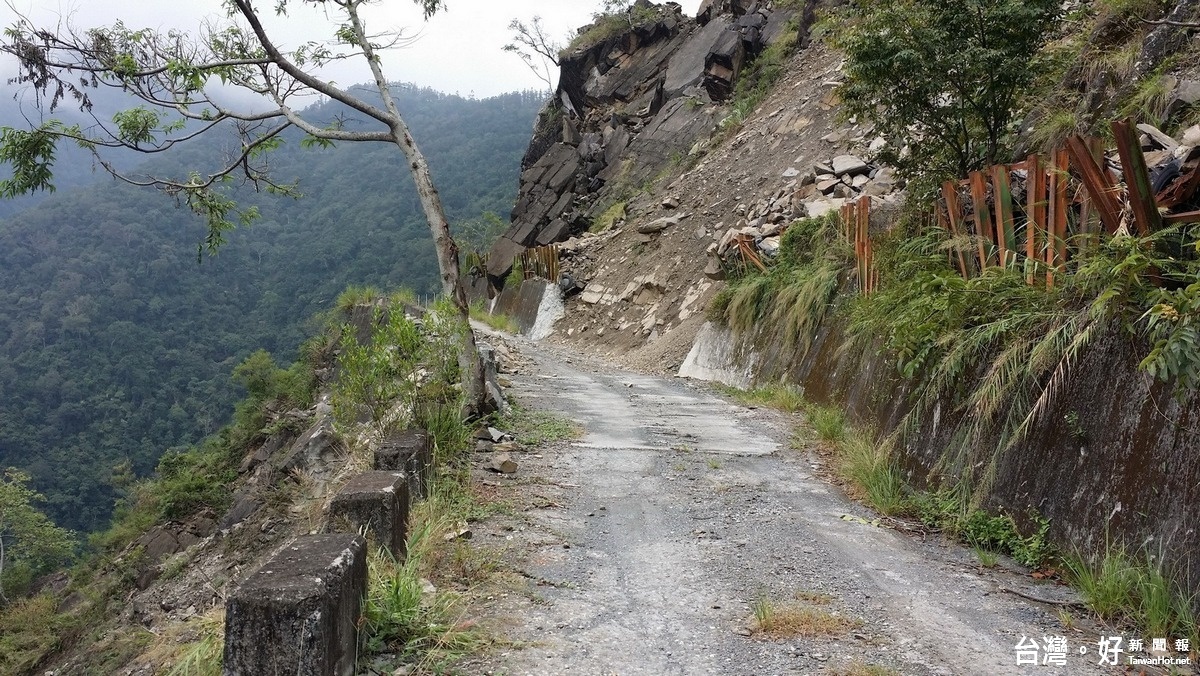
{"x": 1002, "y": 191}
{"x": 1035, "y": 211}
{"x": 1137, "y": 178}
{"x": 1098, "y": 181}
{"x": 983, "y": 220}
{"x": 954, "y": 212}
{"x": 1056, "y": 238}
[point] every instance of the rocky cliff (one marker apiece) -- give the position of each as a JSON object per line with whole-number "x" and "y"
{"x": 631, "y": 105}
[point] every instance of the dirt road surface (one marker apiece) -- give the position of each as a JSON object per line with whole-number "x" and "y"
{"x": 652, "y": 536}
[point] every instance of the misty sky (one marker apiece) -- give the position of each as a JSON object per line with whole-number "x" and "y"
{"x": 459, "y": 50}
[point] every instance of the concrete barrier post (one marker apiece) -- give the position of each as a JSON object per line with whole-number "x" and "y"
{"x": 410, "y": 452}
{"x": 378, "y": 502}
{"x": 298, "y": 614}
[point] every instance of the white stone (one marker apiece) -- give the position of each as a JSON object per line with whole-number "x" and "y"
{"x": 849, "y": 164}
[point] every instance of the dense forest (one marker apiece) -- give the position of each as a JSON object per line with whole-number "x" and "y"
{"x": 116, "y": 343}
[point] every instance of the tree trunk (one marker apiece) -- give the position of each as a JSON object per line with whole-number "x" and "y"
{"x": 447, "y": 251}
{"x": 448, "y": 265}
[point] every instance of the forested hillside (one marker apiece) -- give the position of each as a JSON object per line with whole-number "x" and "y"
{"x": 116, "y": 343}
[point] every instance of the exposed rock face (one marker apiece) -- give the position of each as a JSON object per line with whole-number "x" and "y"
{"x": 625, "y": 107}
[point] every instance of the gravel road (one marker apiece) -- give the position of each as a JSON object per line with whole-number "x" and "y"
{"x": 654, "y": 533}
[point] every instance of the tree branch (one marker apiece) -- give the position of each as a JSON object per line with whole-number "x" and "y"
{"x": 1168, "y": 22}
{"x": 283, "y": 63}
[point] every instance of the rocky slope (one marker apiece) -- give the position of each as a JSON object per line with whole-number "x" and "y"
{"x": 675, "y": 174}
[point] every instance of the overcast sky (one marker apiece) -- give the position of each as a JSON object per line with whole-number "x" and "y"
{"x": 459, "y": 50}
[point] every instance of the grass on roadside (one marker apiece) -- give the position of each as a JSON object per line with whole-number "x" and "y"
{"x": 533, "y": 428}
{"x": 795, "y": 619}
{"x": 787, "y": 398}
{"x": 1130, "y": 589}
{"x": 863, "y": 669}
{"x": 500, "y": 322}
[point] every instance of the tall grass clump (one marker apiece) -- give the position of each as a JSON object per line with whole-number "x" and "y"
{"x": 1133, "y": 589}
{"x": 797, "y": 292}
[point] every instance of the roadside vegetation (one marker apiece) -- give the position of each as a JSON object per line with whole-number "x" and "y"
{"x": 994, "y": 350}
{"x": 1122, "y": 587}
{"x": 803, "y": 616}
{"x": 499, "y": 322}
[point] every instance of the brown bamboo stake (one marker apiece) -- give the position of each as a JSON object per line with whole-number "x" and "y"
{"x": 1056, "y": 241}
{"x": 983, "y": 219}
{"x": 1002, "y": 195}
{"x": 954, "y": 211}
{"x": 1035, "y": 210}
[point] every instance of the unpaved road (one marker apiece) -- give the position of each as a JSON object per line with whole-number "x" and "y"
{"x": 654, "y": 532}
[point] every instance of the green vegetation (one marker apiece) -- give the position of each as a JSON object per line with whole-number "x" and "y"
{"x": 793, "y": 618}
{"x": 1132, "y": 590}
{"x": 400, "y": 616}
{"x": 500, "y": 322}
{"x": 382, "y": 374}
{"x": 1089, "y": 72}
{"x": 115, "y": 345}
{"x": 797, "y": 292}
{"x": 610, "y": 217}
{"x": 398, "y": 611}
{"x": 534, "y": 428}
{"x": 862, "y": 669}
{"x": 30, "y": 544}
{"x": 613, "y": 18}
{"x": 941, "y": 79}
{"x": 784, "y": 397}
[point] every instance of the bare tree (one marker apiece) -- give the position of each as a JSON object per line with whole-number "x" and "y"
{"x": 177, "y": 79}
{"x": 536, "y": 49}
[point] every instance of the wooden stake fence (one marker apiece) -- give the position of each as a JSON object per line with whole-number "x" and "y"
{"x": 856, "y": 221}
{"x": 1068, "y": 197}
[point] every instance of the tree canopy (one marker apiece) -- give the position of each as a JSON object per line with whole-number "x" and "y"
{"x": 30, "y": 543}
{"x": 115, "y": 345}
{"x": 942, "y": 78}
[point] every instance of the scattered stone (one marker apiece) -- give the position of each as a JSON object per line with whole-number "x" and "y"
{"x": 714, "y": 270}
{"x": 791, "y": 172}
{"x": 503, "y": 464}
{"x": 461, "y": 532}
{"x": 820, "y": 168}
{"x": 1160, "y": 139}
{"x": 670, "y": 202}
{"x": 849, "y": 165}
{"x": 774, "y": 229}
{"x": 827, "y": 187}
{"x": 657, "y": 225}
{"x": 770, "y": 245}
{"x": 819, "y": 207}
{"x": 496, "y": 435}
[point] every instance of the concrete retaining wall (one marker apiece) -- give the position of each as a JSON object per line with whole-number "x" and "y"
{"x": 534, "y": 305}
{"x": 1115, "y": 456}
